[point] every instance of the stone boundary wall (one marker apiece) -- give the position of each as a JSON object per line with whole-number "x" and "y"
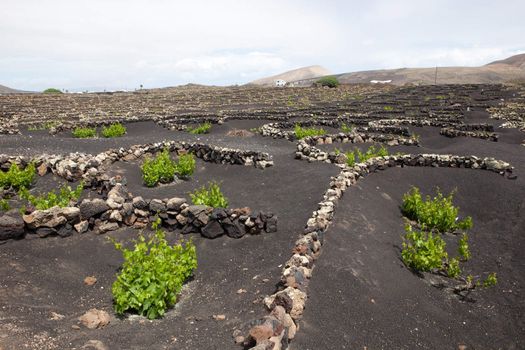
{"x": 513, "y": 113}
{"x": 480, "y": 134}
{"x": 76, "y": 166}
{"x": 306, "y": 149}
{"x": 275, "y": 129}
{"x": 66, "y": 125}
{"x": 286, "y": 306}
{"x": 9, "y": 130}
{"x": 121, "y": 209}
{"x": 438, "y": 122}
{"x": 181, "y": 123}
{"x": 474, "y": 127}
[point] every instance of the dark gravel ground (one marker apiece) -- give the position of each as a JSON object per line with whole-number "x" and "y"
{"x": 360, "y": 294}
{"x": 41, "y": 276}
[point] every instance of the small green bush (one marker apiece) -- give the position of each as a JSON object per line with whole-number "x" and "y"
{"x": 16, "y": 178}
{"x": 211, "y": 196}
{"x": 356, "y": 156}
{"x": 490, "y": 281}
{"x": 201, "y": 129}
{"x": 185, "y": 165}
{"x": 44, "y": 126}
{"x": 388, "y": 108}
{"x": 463, "y": 248}
{"x": 350, "y": 158}
{"x": 346, "y": 129}
{"x": 160, "y": 169}
{"x": 114, "y": 130}
{"x": 52, "y": 91}
{"x": 301, "y": 133}
{"x": 83, "y": 133}
{"x": 329, "y": 81}
{"x": 437, "y": 212}
{"x": 423, "y": 251}
{"x": 453, "y": 269}
{"x": 4, "y": 205}
{"x": 45, "y": 201}
{"x": 152, "y": 274}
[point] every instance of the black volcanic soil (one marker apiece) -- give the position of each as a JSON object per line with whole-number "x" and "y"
{"x": 360, "y": 294}
{"x": 46, "y": 275}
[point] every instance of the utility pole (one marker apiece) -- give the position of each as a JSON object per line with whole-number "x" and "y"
{"x": 436, "y": 76}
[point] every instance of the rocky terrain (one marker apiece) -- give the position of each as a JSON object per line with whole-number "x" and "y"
{"x": 307, "y": 253}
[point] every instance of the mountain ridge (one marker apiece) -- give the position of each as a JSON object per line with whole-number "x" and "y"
{"x": 501, "y": 71}
{"x": 309, "y": 72}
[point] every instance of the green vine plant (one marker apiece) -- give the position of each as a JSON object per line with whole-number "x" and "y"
{"x": 424, "y": 250}
{"x": 438, "y": 212}
{"x": 200, "y": 129}
{"x": 4, "y": 205}
{"x": 301, "y": 133}
{"x": 63, "y": 198}
{"x": 153, "y": 274}
{"x": 17, "y": 178}
{"x": 114, "y": 130}
{"x": 346, "y": 128}
{"x": 211, "y": 196}
{"x": 356, "y": 156}
{"x": 162, "y": 169}
{"x": 84, "y": 133}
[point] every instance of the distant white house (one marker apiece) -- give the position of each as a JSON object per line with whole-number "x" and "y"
{"x": 280, "y": 83}
{"x": 381, "y": 81}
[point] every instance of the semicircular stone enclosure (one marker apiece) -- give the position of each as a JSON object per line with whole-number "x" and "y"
{"x": 263, "y": 218}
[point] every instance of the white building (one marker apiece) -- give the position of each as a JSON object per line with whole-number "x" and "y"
{"x": 280, "y": 83}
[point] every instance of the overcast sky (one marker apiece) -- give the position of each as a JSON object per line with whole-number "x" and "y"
{"x": 120, "y": 44}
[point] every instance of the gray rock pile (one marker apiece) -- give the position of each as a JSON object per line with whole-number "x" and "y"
{"x": 480, "y": 134}
{"x": 121, "y": 209}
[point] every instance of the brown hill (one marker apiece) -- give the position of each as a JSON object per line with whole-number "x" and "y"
{"x": 8, "y": 90}
{"x": 294, "y": 75}
{"x": 514, "y": 61}
{"x": 510, "y": 69}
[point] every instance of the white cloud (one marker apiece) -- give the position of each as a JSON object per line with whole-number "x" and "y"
{"x": 123, "y": 43}
{"x": 212, "y": 68}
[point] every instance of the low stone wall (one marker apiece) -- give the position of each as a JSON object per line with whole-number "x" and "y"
{"x": 76, "y": 166}
{"x": 286, "y": 306}
{"x": 65, "y": 125}
{"x": 475, "y": 127}
{"x": 439, "y": 122}
{"x": 275, "y": 130}
{"x": 480, "y": 134}
{"x": 121, "y": 209}
{"x": 513, "y": 113}
{"x": 181, "y": 123}
{"x": 306, "y": 149}
{"x": 360, "y": 137}
{"x": 9, "y": 130}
